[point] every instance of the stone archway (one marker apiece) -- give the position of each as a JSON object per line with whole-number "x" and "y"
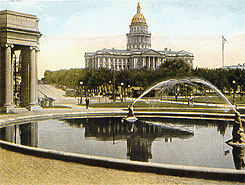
{"x": 19, "y": 33}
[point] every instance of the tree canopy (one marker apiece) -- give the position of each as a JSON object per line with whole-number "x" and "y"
{"x": 93, "y": 78}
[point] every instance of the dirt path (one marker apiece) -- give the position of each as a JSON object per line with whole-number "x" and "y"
{"x": 19, "y": 168}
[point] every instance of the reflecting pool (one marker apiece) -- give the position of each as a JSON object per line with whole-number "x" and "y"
{"x": 169, "y": 141}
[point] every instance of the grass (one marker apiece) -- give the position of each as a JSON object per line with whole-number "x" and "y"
{"x": 57, "y": 107}
{"x": 167, "y": 107}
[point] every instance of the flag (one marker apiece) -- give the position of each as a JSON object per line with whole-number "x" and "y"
{"x": 223, "y": 40}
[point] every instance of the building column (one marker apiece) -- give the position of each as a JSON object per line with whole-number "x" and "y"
{"x": 24, "y": 100}
{"x": 33, "y": 103}
{"x": 153, "y": 63}
{"x": 149, "y": 62}
{"x": 157, "y": 64}
{"x": 33, "y": 79}
{"x": 117, "y": 64}
{"x": 36, "y": 76}
{"x": 86, "y": 63}
{"x": 8, "y": 77}
{"x": 122, "y": 63}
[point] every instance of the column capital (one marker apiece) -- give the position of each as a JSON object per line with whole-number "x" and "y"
{"x": 34, "y": 48}
{"x": 8, "y": 45}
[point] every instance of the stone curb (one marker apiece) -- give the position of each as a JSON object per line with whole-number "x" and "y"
{"x": 10, "y": 121}
{"x": 120, "y": 164}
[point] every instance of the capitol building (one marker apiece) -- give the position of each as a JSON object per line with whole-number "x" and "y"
{"x": 138, "y": 53}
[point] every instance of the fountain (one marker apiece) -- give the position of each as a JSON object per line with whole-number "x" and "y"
{"x": 130, "y": 117}
{"x": 162, "y": 144}
{"x": 238, "y": 134}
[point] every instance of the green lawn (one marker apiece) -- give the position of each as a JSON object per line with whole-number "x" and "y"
{"x": 169, "y": 107}
{"x": 57, "y": 107}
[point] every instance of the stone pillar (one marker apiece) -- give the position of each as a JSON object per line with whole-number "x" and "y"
{"x": 153, "y": 63}
{"x": 122, "y": 63}
{"x": 144, "y": 61}
{"x": 33, "y": 80}
{"x": 33, "y": 104}
{"x": 157, "y": 64}
{"x": 8, "y": 94}
{"x": 37, "y": 60}
{"x": 24, "y": 100}
{"x": 149, "y": 62}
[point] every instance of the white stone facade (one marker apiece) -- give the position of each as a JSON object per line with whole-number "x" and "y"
{"x": 138, "y": 54}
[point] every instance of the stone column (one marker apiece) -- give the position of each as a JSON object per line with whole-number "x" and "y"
{"x": 157, "y": 63}
{"x": 33, "y": 103}
{"x": 122, "y": 63}
{"x": 33, "y": 77}
{"x": 144, "y": 62}
{"x": 37, "y": 60}
{"x": 149, "y": 62}
{"x": 8, "y": 94}
{"x": 24, "y": 100}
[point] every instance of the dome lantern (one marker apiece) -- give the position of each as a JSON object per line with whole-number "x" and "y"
{"x": 138, "y": 19}
{"x": 138, "y": 8}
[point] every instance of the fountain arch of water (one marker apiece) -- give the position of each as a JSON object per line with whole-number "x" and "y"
{"x": 191, "y": 81}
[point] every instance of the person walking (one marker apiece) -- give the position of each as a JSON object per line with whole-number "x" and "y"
{"x": 87, "y": 102}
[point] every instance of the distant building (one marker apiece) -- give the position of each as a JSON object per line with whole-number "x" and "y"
{"x": 138, "y": 54}
{"x": 239, "y": 66}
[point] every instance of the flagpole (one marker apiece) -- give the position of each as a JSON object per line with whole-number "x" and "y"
{"x": 223, "y": 51}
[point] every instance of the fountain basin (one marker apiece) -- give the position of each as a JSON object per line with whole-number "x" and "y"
{"x": 170, "y": 169}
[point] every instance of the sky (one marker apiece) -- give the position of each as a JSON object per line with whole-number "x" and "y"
{"x": 71, "y": 28}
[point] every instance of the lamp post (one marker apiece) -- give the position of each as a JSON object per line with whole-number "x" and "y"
{"x": 110, "y": 87}
{"x": 128, "y": 90}
{"x": 110, "y": 91}
{"x": 81, "y": 84}
{"x": 234, "y": 93}
{"x": 122, "y": 91}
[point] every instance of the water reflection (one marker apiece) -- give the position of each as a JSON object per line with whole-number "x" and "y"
{"x": 139, "y": 135}
{"x": 25, "y": 134}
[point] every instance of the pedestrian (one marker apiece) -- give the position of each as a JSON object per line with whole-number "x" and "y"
{"x": 87, "y": 102}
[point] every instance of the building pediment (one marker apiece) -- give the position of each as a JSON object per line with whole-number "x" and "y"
{"x": 151, "y": 52}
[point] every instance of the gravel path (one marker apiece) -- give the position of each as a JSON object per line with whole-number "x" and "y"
{"x": 19, "y": 168}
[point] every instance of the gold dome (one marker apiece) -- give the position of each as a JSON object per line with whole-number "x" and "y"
{"x": 138, "y": 19}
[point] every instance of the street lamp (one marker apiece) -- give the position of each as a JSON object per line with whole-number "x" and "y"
{"x": 234, "y": 93}
{"x": 128, "y": 89}
{"x": 81, "y": 84}
{"x": 122, "y": 91}
{"x": 110, "y": 87}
